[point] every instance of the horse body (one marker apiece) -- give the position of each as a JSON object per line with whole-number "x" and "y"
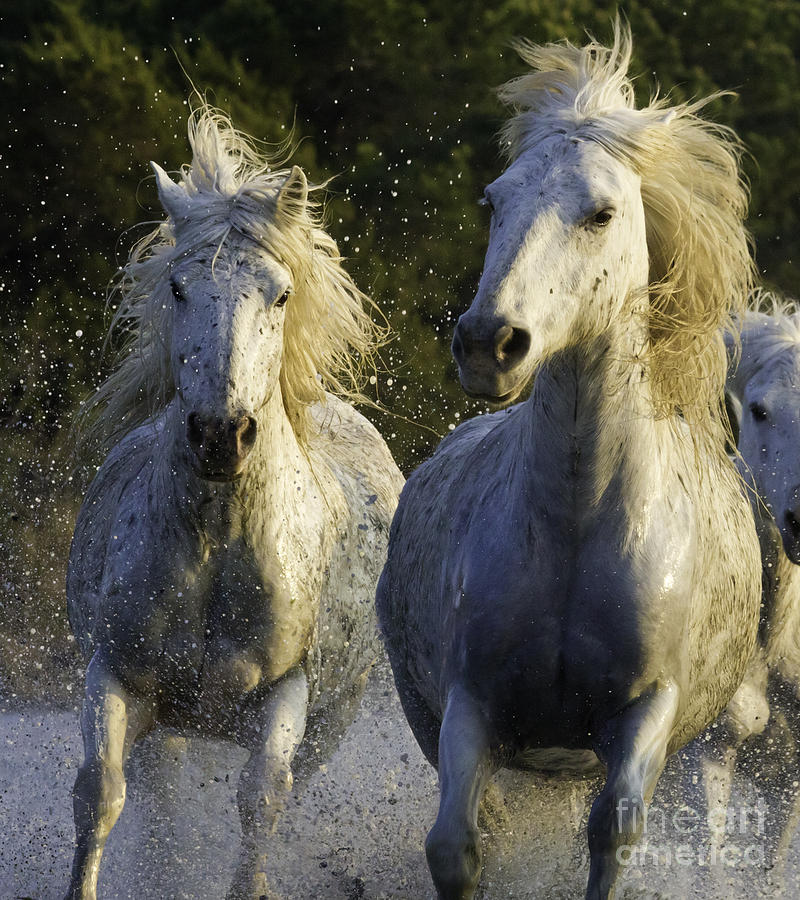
{"x": 224, "y": 561}
{"x": 565, "y": 578}
{"x": 759, "y": 735}
{"x": 233, "y": 582}
{"x": 532, "y": 537}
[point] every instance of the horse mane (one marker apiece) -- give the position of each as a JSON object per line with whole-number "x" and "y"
{"x": 330, "y": 339}
{"x": 695, "y": 202}
{"x": 770, "y": 335}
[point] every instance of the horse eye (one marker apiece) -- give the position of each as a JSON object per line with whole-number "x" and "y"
{"x": 758, "y": 412}
{"x": 177, "y": 293}
{"x": 603, "y": 217}
{"x": 281, "y": 301}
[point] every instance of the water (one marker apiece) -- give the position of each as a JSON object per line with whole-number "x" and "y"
{"x": 353, "y": 831}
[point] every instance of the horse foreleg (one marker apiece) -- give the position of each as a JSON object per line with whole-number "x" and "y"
{"x": 715, "y": 756}
{"x": 770, "y": 761}
{"x": 111, "y": 720}
{"x": 272, "y": 735}
{"x": 453, "y": 846}
{"x": 633, "y": 746}
{"x": 421, "y": 720}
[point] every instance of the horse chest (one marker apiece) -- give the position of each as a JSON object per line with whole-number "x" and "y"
{"x": 225, "y": 620}
{"x": 578, "y": 619}
{"x": 254, "y": 616}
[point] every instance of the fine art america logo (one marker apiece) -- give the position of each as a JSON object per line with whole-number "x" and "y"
{"x": 730, "y": 836}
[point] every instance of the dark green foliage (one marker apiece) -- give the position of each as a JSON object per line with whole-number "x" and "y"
{"x": 393, "y": 100}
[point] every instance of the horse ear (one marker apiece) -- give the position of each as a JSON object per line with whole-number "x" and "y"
{"x": 293, "y": 195}
{"x": 172, "y": 196}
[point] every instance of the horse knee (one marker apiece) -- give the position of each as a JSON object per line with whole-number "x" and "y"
{"x": 454, "y": 859}
{"x": 616, "y": 820}
{"x": 262, "y": 797}
{"x": 98, "y": 796}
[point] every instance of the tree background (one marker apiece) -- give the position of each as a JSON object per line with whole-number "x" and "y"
{"x": 394, "y": 100}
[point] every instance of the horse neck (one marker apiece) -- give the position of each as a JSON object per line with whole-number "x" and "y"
{"x": 591, "y": 413}
{"x": 278, "y": 456}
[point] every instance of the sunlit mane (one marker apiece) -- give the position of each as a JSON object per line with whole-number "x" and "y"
{"x": 770, "y": 335}
{"x": 330, "y": 339}
{"x": 695, "y": 202}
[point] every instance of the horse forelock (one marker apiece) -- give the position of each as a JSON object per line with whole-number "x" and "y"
{"x": 568, "y": 87}
{"x": 695, "y": 202}
{"x": 770, "y": 337}
{"x": 330, "y": 338}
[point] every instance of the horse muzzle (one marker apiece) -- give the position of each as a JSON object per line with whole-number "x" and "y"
{"x": 491, "y": 355}
{"x": 220, "y": 446}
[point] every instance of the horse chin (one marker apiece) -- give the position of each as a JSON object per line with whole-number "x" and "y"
{"x": 207, "y": 472}
{"x": 496, "y": 400}
{"x": 791, "y": 547}
{"x": 492, "y": 391}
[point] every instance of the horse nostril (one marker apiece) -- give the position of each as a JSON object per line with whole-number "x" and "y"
{"x": 510, "y": 345}
{"x": 459, "y": 344}
{"x": 245, "y": 430}
{"x": 194, "y": 430}
{"x": 792, "y": 523}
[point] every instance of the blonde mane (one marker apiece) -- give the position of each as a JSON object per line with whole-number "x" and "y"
{"x": 701, "y": 268}
{"x": 330, "y": 339}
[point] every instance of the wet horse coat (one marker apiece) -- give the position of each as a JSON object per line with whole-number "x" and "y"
{"x": 576, "y": 579}
{"x": 224, "y": 561}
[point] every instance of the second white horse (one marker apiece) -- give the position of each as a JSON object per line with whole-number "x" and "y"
{"x": 578, "y": 578}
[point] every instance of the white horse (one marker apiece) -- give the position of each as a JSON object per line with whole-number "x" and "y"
{"x": 763, "y": 397}
{"x": 577, "y": 578}
{"x": 224, "y": 562}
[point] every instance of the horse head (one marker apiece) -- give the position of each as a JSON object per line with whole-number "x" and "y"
{"x": 567, "y": 245}
{"x": 229, "y": 306}
{"x": 766, "y": 401}
{"x": 611, "y": 221}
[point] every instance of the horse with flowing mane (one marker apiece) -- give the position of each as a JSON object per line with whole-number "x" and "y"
{"x": 224, "y": 562}
{"x": 757, "y": 739}
{"x": 575, "y": 581}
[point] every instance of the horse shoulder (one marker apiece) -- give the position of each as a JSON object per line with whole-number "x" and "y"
{"x": 725, "y": 588}
{"x": 360, "y": 499}
{"x": 358, "y": 457}
{"x": 446, "y": 485}
{"x": 439, "y": 498}
{"x": 124, "y": 465}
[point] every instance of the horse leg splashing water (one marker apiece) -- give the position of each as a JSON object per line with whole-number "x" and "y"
{"x": 577, "y": 579}
{"x": 225, "y": 559}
